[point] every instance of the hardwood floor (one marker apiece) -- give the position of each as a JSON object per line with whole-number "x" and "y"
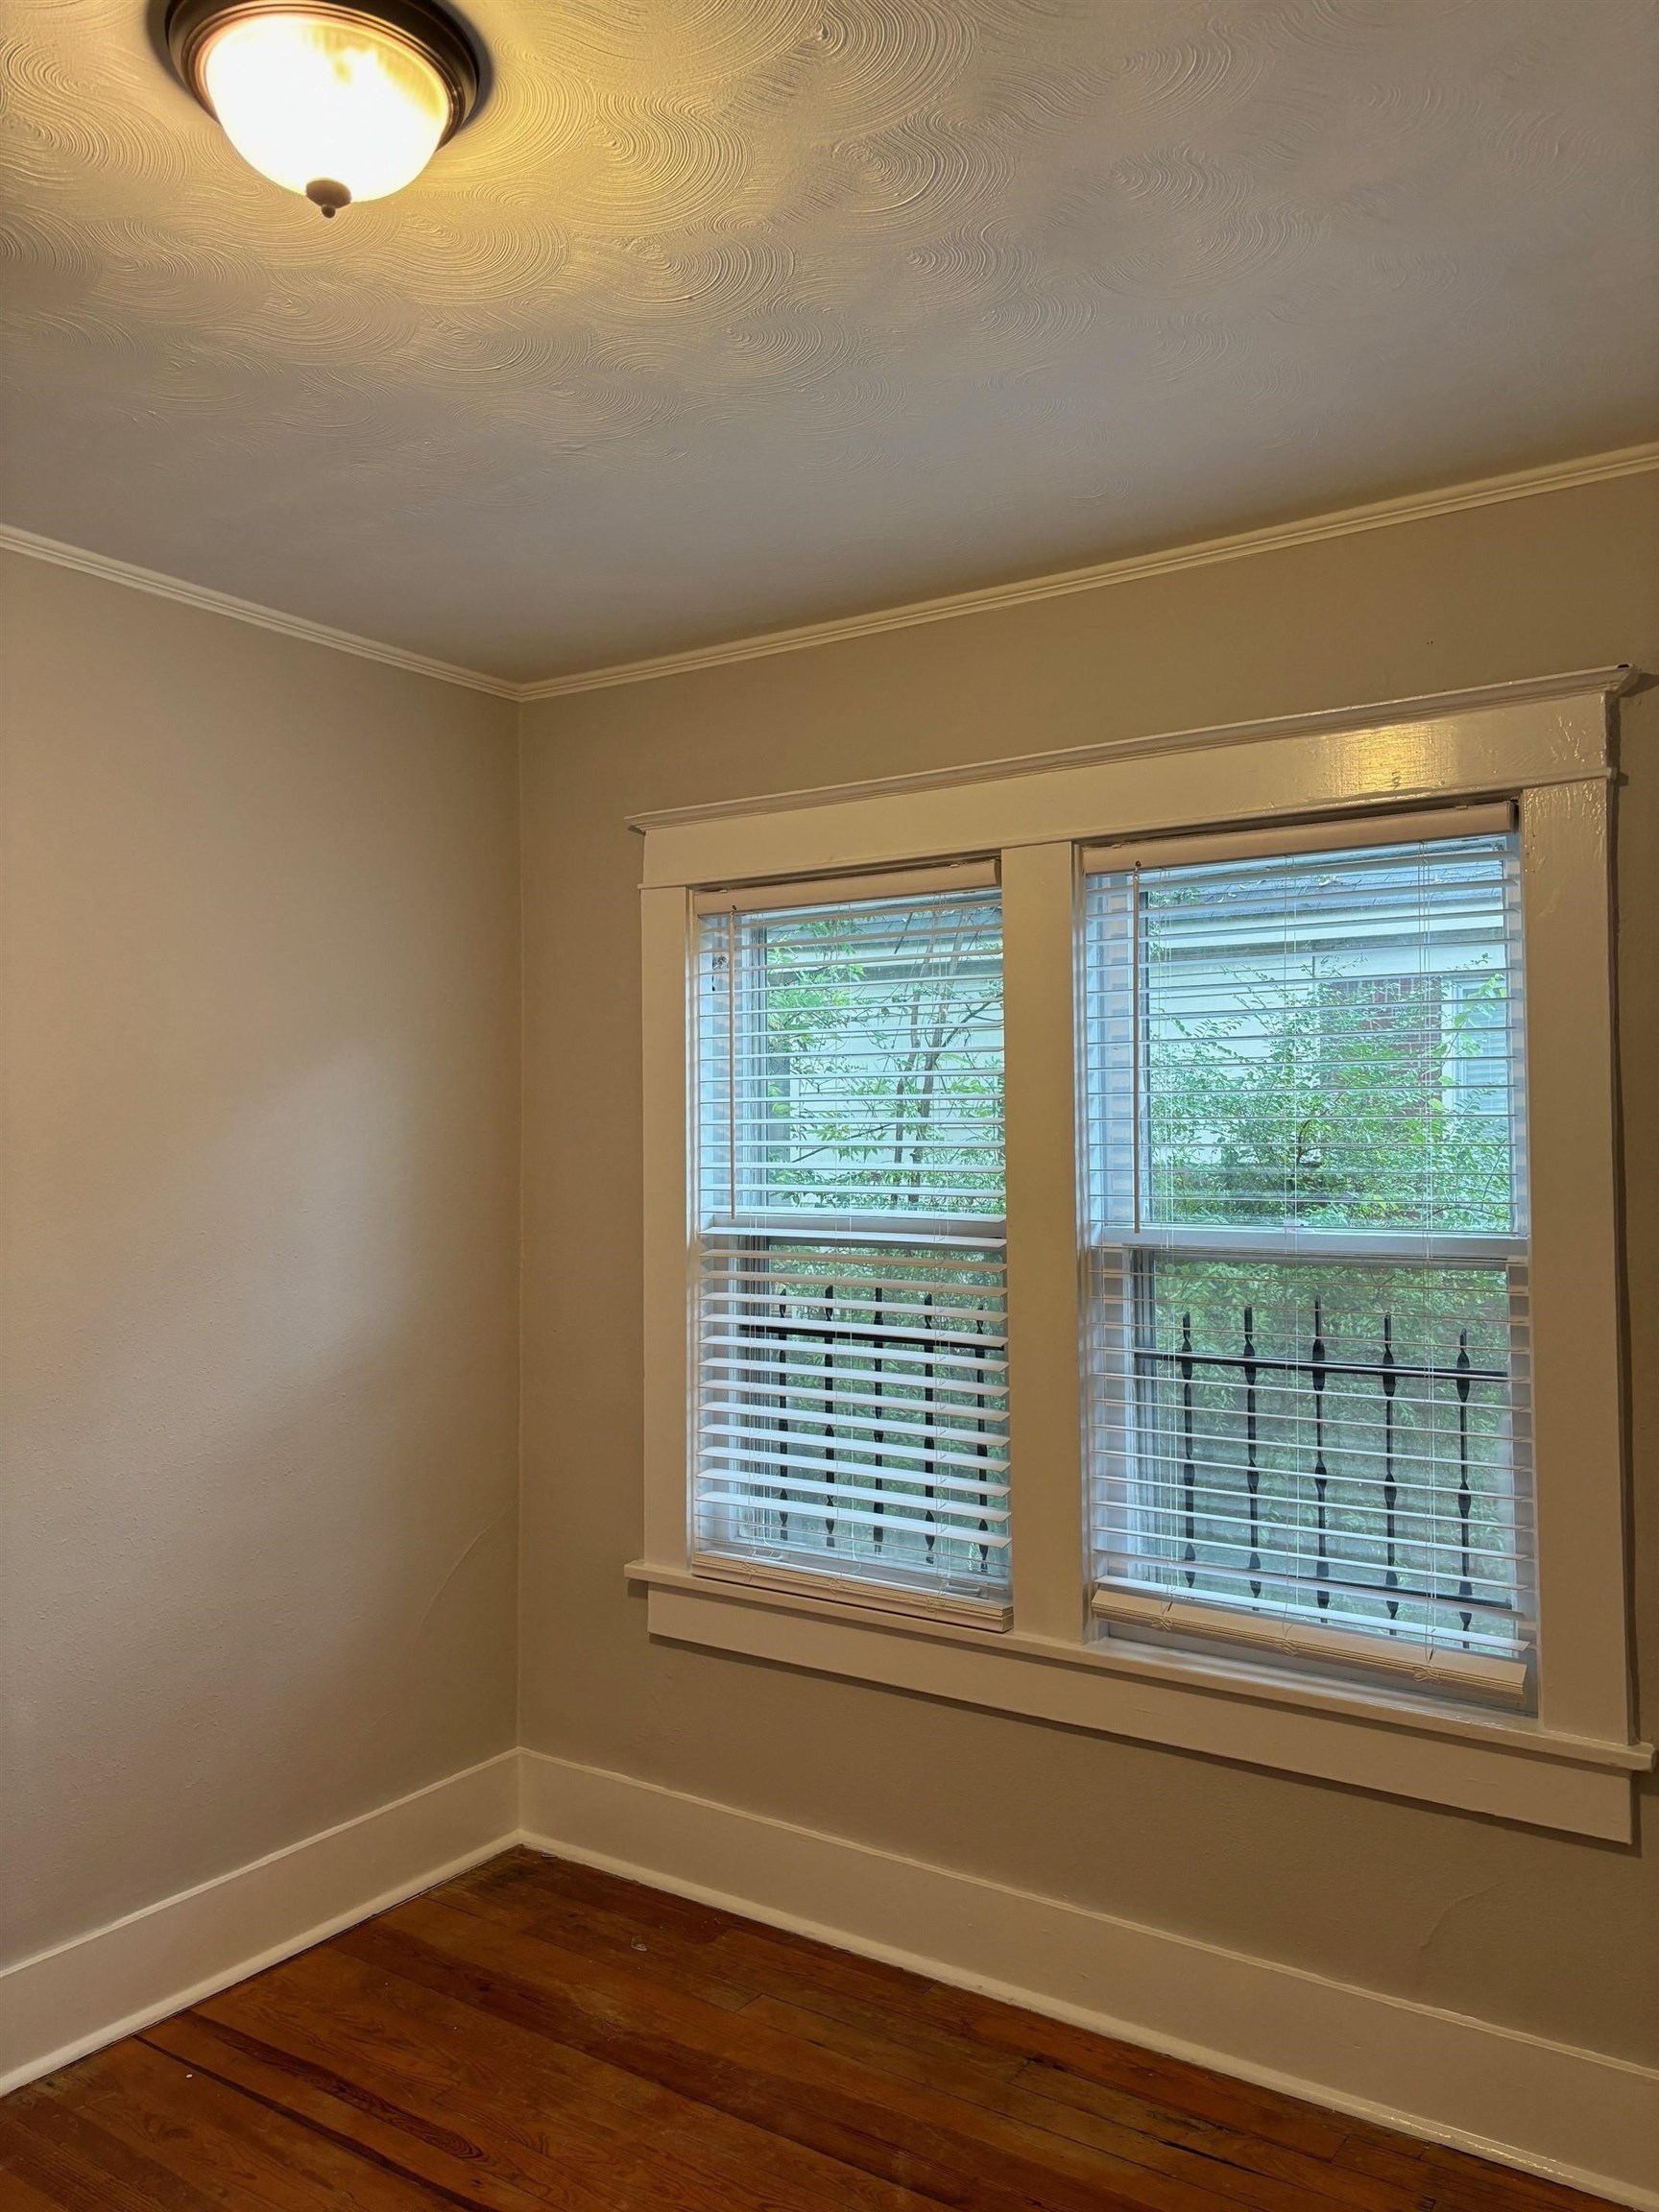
{"x": 536, "y": 2034}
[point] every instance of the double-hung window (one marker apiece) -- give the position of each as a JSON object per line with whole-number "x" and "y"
{"x": 849, "y": 1276}
{"x": 1132, "y": 1239}
{"x": 1307, "y": 1397}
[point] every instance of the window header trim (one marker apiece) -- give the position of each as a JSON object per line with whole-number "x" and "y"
{"x": 1604, "y": 683}
{"x": 1474, "y": 747}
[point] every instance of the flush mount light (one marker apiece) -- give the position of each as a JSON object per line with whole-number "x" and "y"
{"x": 338, "y": 101}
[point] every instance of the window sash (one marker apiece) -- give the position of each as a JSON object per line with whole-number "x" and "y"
{"x": 1295, "y": 1477}
{"x": 1133, "y": 1012}
{"x": 852, "y": 1418}
{"x": 1178, "y": 1529}
{"x": 765, "y": 1080}
{"x": 850, "y": 1383}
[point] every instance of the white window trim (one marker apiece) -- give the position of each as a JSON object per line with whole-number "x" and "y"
{"x": 1546, "y": 746}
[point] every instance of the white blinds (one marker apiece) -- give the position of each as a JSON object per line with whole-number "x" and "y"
{"x": 1307, "y": 1400}
{"x": 852, "y": 1374}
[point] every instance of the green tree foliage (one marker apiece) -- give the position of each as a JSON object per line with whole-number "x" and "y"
{"x": 882, "y": 1080}
{"x": 1336, "y": 1104}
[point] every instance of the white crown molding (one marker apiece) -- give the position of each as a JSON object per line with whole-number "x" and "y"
{"x": 202, "y": 596}
{"x": 1277, "y": 538}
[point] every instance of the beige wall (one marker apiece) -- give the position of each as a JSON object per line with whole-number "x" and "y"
{"x": 259, "y": 1243}
{"x": 258, "y": 1252}
{"x": 1524, "y": 1927}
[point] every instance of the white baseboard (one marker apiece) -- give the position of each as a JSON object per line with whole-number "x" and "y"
{"x": 80, "y": 1995}
{"x": 1548, "y": 2109}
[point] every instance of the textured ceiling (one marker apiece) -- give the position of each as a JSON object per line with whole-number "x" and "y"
{"x": 728, "y": 314}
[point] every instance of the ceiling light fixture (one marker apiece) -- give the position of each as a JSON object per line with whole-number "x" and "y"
{"x": 338, "y": 100}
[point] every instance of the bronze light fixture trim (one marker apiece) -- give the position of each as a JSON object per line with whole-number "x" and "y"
{"x": 340, "y": 99}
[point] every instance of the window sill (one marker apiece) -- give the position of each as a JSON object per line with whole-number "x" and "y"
{"x": 984, "y": 1616}
{"x": 1500, "y": 1765}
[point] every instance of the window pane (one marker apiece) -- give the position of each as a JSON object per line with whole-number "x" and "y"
{"x": 1327, "y": 1040}
{"x": 1335, "y": 1443}
{"x": 851, "y": 1058}
{"x": 851, "y": 1409}
{"x": 1307, "y": 1181}
{"x": 854, "y": 1411}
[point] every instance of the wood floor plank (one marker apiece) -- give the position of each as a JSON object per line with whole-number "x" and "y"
{"x": 1172, "y": 2083}
{"x": 19, "y": 2196}
{"x": 915, "y": 2047}
{"x": 1169, "y": 2081}
{"x": 1173, "y": 2094}
{"x": 527, "y": 1884}
{"x": 1205, "y": 2157}
{"x": 1459, "y": 2182}
{"x": 1345, "y": 2186}
{"x": 518, "y": 2006}
{"x": 597, "y": 1918}
{"x": 569, "y": 1881}
{"x": 912, "y": 2049}
{"x": 74, "y": 2163}
{"x": 656, "y": 1949}
{"x": 541, "y": 2036}
{"x": 542, "y": 2101}
{"x": 237, "y": 2151}
{"x": 778, "y": 2078}
{"x": 350, "y": 2103}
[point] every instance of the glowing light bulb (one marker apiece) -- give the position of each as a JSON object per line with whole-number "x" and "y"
{"x": 338, "y": 111}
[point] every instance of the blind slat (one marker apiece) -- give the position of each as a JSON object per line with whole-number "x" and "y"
{"x": 862, "y": 1517}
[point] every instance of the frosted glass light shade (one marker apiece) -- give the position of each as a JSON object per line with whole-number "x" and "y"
{"x": 308, "y": 100}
